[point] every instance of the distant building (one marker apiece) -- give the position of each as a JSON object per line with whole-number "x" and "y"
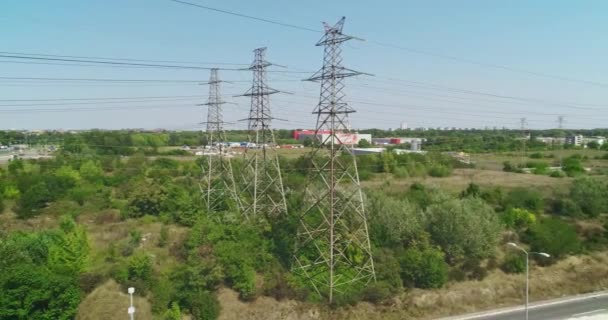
{"x": 403, "y": 126}
{"x": 324, "y": 136}
{"x": 397, "y": 140}
{"x": 551, "y": 140}
{"x": 598, "y": 139}
{"x": 576, "y": 140}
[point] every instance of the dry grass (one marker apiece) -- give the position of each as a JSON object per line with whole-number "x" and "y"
{"x": 573, "y": 275}
{"x": 461, "y": 178}
{"x": 108, "y": 301}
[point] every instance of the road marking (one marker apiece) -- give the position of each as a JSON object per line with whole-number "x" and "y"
{"x": 588, "y": 312}
{"x": 536, "y": 305}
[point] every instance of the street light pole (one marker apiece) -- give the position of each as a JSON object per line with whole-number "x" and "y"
{"x": 546, "y": 255}
{"x": 131, "y": 309}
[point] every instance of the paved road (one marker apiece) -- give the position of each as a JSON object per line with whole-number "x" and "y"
{"x": 584, "y": 307}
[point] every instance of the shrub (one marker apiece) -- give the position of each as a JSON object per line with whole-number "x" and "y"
{"x": 464, "y": 228}
{"x": 376, "y": 292}
{"x": 89, "y": 281}
{"x": 524, "y": 198}
{"x": 564, "y": 206}
{"x": 174, "y": 313}
{"x": 554, "y": 237}
{"x": 536, "y": 155}
{"x": 423, "y": 268}
{"x": 516, "y": 218}
{"x": 591, "y": 195}
{"x": 557, "y": 174}
{"x": 205, "y": 306}
{"x": 514, "y": 263}
{"x": 572, "y": 166}
{"x": 164, "y": 236}
{"x": 439, "y": 170}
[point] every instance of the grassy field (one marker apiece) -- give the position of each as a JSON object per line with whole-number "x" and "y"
{"x": 494, "y": 161}
{"x": 460, "y": 179}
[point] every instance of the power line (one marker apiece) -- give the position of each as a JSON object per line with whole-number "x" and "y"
{"x": 408, "y": 49}
{"x": 131, "y": 64}
{"x": 101, "y": 98}
{"x": 283, "y": 24}
{"x": 489, "y": 65}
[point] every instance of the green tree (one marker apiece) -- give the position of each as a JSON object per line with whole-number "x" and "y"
{"x": 34, "y": 199}
{"x": 174, "y": 313}
{"x": 363, "y": 143}
{"x": 554, "y": 237}
{"x": 591, "y": 195}
{"x": 394, "y": 222}
{"x": 516, "y": 218}
{"x": 146, "y": 199}
{"x": 524, "y": 198}
{"x": 91, "y": 171}
{"x": 70, "y": 252}
{"x": 464, "y": 228}
{"x": 423, "y": 268}
{"x": 593, "y": 145}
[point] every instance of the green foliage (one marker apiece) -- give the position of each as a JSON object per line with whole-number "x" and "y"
{"x": 393, "y": 222}
{"x": 70, "y": 252}
{"x": 516, "y": 218}
{"x": 593, "y": 145}
{"x": 423, "y": 268}
{"x": 439, "y": 170}
{"x": 164, "y": 236}
{"x": 472, "y": 190}
{"x": 139, "y": 267}
{"x": 146, "y": 198}
{"x": 514, "y": 263}
{"x": 32, "y": 200}
{"x": 536, "y": 155}
{"x": 39, "y": 278}
{"x": 590, "y": 195}
{"x": 566, "y": 207}
{"x": 205, "y": 306}
{"x": 572, "y": 166}
{"x": 364, "y": 144}
{"x": 91, "y": 171}
{"x": 174, "y": 313}
{"x": 524, "y": 198}
{"x": 554, "y": 237}
{"x": 464, "y": 228}
{"x": 557, "y": 174}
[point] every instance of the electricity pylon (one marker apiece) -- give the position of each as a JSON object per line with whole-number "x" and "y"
{"x": 524, "y": 137}
{"x": 333, "y": 249}
{"x": 261, "y": 175}
{"x": 217, "y": 183}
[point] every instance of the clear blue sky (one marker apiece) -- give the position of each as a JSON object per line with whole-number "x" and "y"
{"x": 561, "y": 38}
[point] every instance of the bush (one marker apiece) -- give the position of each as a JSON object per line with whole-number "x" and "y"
{"x": 524, "y": 198}
{"x": 423, "y": 268}
{"x": 516, "y": 218}
{"x": 557, "y": 174}
{"x": 564, "y": 206}
{"x": 572, "y": 166}
{"x": 514, "y": 263}
{"x": 164, "y": 236}
{"x": 376, "y": 292}
{"x": 205, "y": 306}
{"x": 464, "y": 228}
{"x": 591, "y": 195}
{"x": 174, "y": 313}
{"x": 554, "y": 237}
{"x": 439, "y": 170}
{"x": 536, "y": 155}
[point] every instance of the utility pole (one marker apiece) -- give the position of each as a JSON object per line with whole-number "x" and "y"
{"x": 217, "y": 184}
{"x": 333, "y": 248}
{"x": 560, "y": 124}
{"x": 263, "y": 184}
{"x": 524, "y": 134}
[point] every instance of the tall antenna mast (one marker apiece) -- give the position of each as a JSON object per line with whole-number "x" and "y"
{"x": 333, "y": 249}
{"x": 523, "y": 124}
{"x": 217, "y": 184}
{"x": 262, "y": 173}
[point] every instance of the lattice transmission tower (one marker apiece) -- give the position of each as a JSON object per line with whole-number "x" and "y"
{"x": 261, "y": 176}
{"x": 217, "y": 183}
{"x": 333, "y": 249}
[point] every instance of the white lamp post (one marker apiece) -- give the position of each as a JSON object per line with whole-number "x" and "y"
{"x": 131, "y": 309}
{"x": 546, "y": 255}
